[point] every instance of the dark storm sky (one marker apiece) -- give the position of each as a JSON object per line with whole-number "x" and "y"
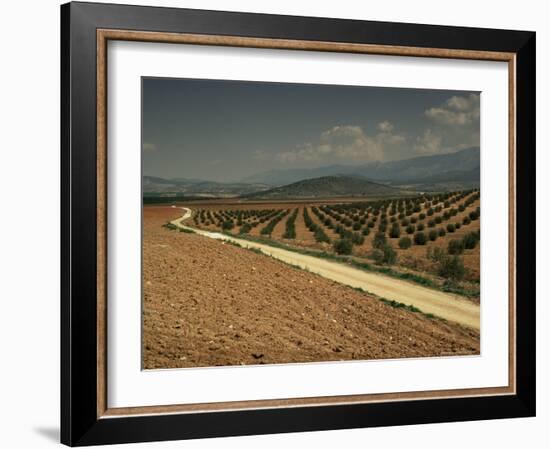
{"x": 227, "y": 130}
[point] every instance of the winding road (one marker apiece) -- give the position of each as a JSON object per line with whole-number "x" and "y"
{"x": 445, "y": 305}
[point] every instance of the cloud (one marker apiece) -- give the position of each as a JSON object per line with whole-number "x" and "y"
{"x": 444, "y": 128}
{"x": 436, "y": 142}
{"x": 454, "y": 126}
{"x": 346, "y": 142}
{"x": 149, "y": 147}
{"x": 305, "y": 152}
{"x": 261, "y": 155}
{"x": 428, "y": 143}
{"x": 385, "y": 127}
{"x": 456, "y": 111}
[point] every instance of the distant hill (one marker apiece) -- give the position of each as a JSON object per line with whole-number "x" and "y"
{"x": 198, "y": 187}
{"x": 406, "y": 171}
{"x": 278, "y": 177}
{"x": 445, "y": 180}
{"x": 326, "y": 187}
{"x": 451, "y": 176}
{"x": 420, "y": 168}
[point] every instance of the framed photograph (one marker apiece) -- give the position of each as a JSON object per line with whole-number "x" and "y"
{"x": 279, "y": 224}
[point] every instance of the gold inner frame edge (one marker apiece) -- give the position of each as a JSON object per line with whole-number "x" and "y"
{"x": 105, "y": 35}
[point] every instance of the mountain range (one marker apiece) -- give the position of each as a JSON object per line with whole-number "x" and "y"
{"x": 461, "y": 167}
{"x": 452, "y": 171}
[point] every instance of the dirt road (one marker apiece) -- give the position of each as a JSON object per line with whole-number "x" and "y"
{"x": 445, "y": 305}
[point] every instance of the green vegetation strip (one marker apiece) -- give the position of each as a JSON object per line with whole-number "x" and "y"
{"x": 410, "y": 308}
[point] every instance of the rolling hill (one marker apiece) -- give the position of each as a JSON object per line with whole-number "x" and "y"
{"x": 326, "y": 187}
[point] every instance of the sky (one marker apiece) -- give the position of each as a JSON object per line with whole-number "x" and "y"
{"x": 224, "y": 130}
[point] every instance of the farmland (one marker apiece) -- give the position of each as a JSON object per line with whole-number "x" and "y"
{"x": 413, "y": 288}
{"x": 432, "y": 236}
{"x": 206, "y": 303}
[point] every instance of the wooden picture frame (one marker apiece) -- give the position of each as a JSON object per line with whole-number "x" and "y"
{"x": 86, "y": 28}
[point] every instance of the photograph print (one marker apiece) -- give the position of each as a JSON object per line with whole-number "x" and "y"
{"x": 305, "y": 223}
